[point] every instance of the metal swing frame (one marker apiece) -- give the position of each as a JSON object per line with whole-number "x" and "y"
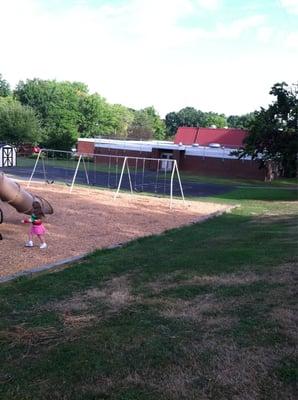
{"x": 125, "y": 165}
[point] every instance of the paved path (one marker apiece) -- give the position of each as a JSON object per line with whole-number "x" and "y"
{"x": 148, "y": 182}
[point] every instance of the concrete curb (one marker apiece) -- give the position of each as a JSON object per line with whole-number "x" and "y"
{"x": 42, "y": 268}
{"x": 57, "y": 264}
{"x": 53, "y": 266}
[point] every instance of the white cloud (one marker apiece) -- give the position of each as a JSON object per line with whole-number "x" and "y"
{"x": 209, "y": 4}
{"x": 264, "y": 34}
{"x": 236, "y": 28}
{"x": 138, "y": 54}
{"x": 290, "y": 5}
{"x": 292, "y": 40}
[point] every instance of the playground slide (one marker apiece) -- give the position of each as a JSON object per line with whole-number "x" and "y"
{"x": 12, "y": 193}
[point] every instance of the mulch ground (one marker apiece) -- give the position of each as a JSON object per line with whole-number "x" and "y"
{"x": 90, "y": 219}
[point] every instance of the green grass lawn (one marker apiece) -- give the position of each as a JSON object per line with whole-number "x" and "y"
{"x": 279, "y": 183}
{"x": 202, "y": 312}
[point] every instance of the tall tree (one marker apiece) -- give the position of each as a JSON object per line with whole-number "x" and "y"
{"x": 141, "y": 126}
{"x": 189, "y": 116}
{"x": 94, "y": 115}
{"x": 240, "y": 121}
{"x": 158, "y": 125}
{"x": 4, "y": 87}
{"x": 57, "y": 104}
{"x": 146, "y": 125}
{"x": 120, "y": 120}
{"x": 18, "y": 124}
{"x": 211, "y": 118}
{"x": 273, "y": 138}
{"x": 172, "y": 122}
{"x": 68, "y": 111}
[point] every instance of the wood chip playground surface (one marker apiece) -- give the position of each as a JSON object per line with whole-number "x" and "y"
{"x": 89, "y": 219}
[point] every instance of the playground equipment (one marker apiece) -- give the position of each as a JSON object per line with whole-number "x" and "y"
{"x": 12, "y": 193}
{"x": 171, "y": 165}
{"x": 135, "y": 174}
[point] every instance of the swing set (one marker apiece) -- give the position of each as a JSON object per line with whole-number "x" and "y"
{"x": 135, "y": 174}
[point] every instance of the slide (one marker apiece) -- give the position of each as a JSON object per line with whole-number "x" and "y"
{"x": 12, "y": 193}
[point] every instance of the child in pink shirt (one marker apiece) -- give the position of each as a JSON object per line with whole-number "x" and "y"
{"x": 37, "y": 228}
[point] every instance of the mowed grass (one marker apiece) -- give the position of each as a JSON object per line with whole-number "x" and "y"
{"x": 203, "y": 312}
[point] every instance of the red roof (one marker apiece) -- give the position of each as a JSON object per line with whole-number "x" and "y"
{"x": 228, "y": 137}
{"x": 186, "y": 135}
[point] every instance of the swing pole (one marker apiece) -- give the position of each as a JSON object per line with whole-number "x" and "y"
{"x": 34, "y": 168}
{"x": 136, "y": 172}
{"x": 75, "y": 174}
{"x": 143, "y": 174}
{"x": 157, "y": 175}
{"x": 179, "y": 180}
{"x": 171, "y": 185}
{"x": 165, "y": 178}
{"x": 109, "y": 172}
{"x": 44, "y": 170}
{"x": 86, "y": 173}
{"x": 120, "y": 180}
{"x": 129, "y": 178}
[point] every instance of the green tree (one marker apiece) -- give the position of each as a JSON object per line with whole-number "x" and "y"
{"x": 94, "y": 115}
{"x": 68, "y": 111}
{"x": 4, "y": 87}
{"x": 57, "y": 105}
{"x": 172, "y": 122}
{"x": 158, "y": 125}
{"x": 18, "y": 124}
{"x": 141, "y": 126}
{"x": 189, "y": 116}
{"x": 211, "y": 118}
{"x": 146, "y": 125}
{"x": 240, "y": 121}
{"x": 273, "y": 138}
{"x": 120, "y": 119}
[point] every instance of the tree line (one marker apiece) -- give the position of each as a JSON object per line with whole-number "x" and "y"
{"x": 273, "y": 133}
{"x": 55, "y": 114}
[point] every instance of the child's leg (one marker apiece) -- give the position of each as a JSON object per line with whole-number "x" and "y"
{"x": 30, "y": 240}
{"x": 43, "y": 244}
{"x": 41, "y": 238}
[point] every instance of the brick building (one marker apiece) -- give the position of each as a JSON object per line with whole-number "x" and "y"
{"x": 205, "y": 151}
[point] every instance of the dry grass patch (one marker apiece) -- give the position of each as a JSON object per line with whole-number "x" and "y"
{"x": 204, "y": 309}
{"x": 169, "y": 282}
{"x": 287, "y": 273}
{"x": 116, "y": 293}
{"x": 77, "y": 321}
{"x": 284, "y": 274}
{"x": 288, "y": 321}
{"x": 22, "y": 335}
{"x": 231, "y": 372}
{"x": 83, "y": 308}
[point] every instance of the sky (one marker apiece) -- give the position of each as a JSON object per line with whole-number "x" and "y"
{"x": 213, "y": 55}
